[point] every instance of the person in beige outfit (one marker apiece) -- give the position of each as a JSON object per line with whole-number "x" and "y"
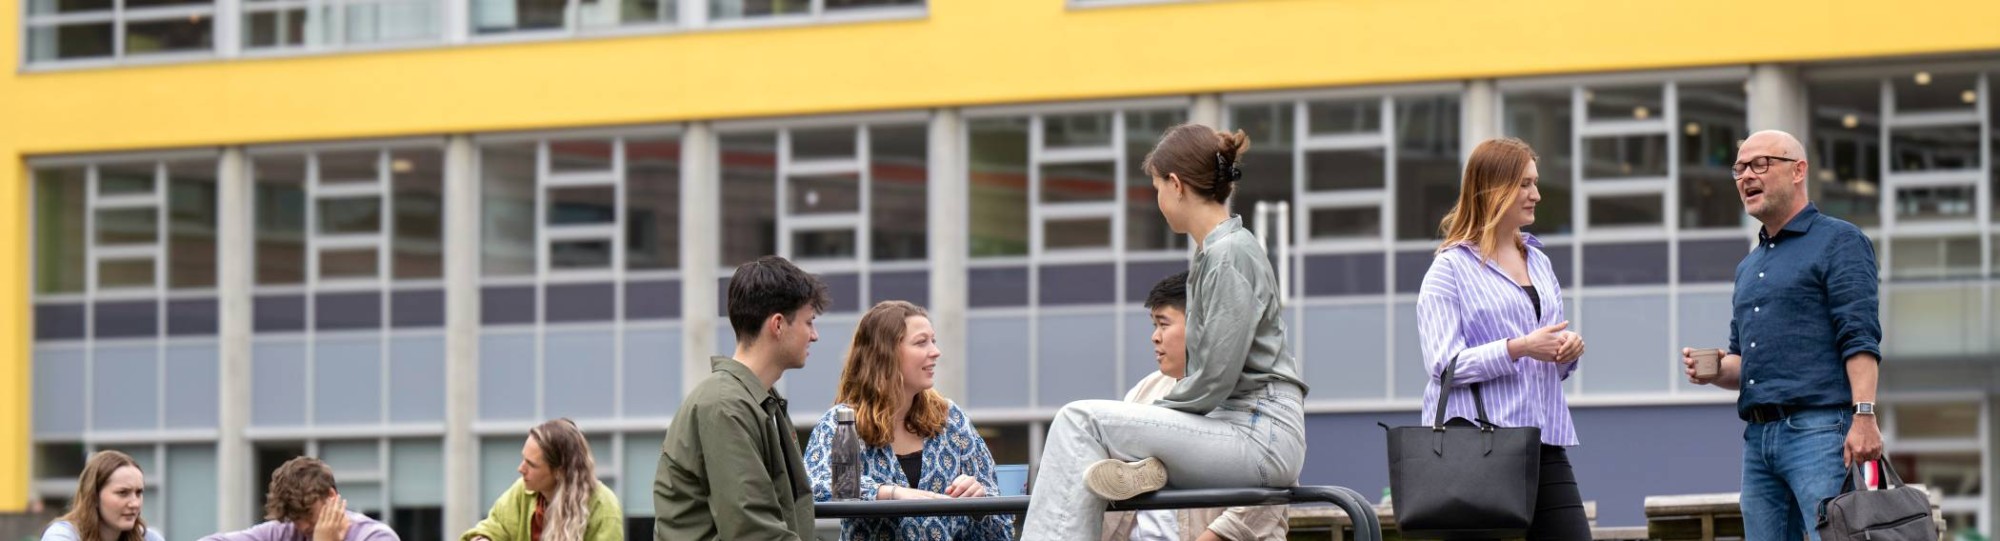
{"x": 1168, "y": 303}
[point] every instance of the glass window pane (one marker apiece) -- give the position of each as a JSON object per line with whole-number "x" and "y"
{"x": 738, "y": 9}
{"x": 392, "y": 21}
{"x": 47, "y": 7}
{"x": 1267, "y": 166}
{"x": 824, "y": 194}
{"x": 59, "y": 237}
{"x": 1427, "y": 167}
{"x": 1625, "y": 210}
{"x": 1344, "y": 116}
{"x": 1145, "y": 228}
{"x": 1629, "y": 156}
{"x": 349, "y": 167}
{"x": 126, "y": 178}
{"x": 898, "y": 208}
{"x": 416, "y": 472}
{"x": 1940, "y": 203}
{"x": 1934, "y": 149}
{"x": 1926, "y": 91}
{"x": 610, "y": 13}
{"x": 580, "y": 155}
{"x": 125, "y": 273}
{"x": 70, "y": 41}
{"x": 349, "y": 215}
{"x": 359, "y": 263}
{"x": 1346, "y": 223}
{"x": 749, "y": 196}
{"x": 1542, "y": 119}
{"x": 1934, "y": 258}
{"x": 998, "y": 148}
{"x": 128, "y": 226}
{"x": 129, "y": 4}
{"x": 1079, "y": 130}
{"x": 583, "y": 206}
{"x": 191, "y": 223}
{"x": 580, "y": 254}
{"x": 1713, "y": 119}
{"x": 192, "y": 474}
{"x": 823, "y": 143}
{"x": 417, "y": 176}
{"x": 1330, "y": 170}
{"x": 652, "y": 203}
{"x": 1846, "y": 154}
{"x": 1946, "y": 420}
{"x": 281, "y": 218}
{"x": 823, "y": 244}
{"x": 507, "y": 221}
{"x": 1624, "y": 102}
{"x": 495, "y": 16}
{"x": 1082, "y": 233}
{"x": 181, "y": 34}
{"x": 278, "y": 28}
{"x": 1079, "y": 182}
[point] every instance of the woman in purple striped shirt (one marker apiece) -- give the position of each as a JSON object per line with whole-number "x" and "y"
{"x": 1491, "y": 303}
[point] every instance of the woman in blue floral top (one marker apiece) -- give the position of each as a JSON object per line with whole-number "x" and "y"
{"x": 916, "y": 444}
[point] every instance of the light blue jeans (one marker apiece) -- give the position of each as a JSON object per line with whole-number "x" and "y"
{"x": 1256, "y": 439}
{"x": 1789, "y": 466}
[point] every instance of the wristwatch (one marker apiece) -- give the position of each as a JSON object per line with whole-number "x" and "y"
{"x": 1864, "y": 408}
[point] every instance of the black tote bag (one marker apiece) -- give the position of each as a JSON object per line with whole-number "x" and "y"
{"x": 1461, "y": 479}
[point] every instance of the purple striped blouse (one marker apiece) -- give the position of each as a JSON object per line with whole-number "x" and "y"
{"x": 1468, "y": 308}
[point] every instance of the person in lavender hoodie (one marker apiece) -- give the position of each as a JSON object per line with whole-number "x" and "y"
{"x": 304, "y": 505}
{"x": 1491, "y": 304}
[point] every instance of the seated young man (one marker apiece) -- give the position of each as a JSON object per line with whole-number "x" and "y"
{"x": 303, "y": 503}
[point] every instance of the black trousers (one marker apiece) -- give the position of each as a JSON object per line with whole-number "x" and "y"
{"x": 1559, "y": 505}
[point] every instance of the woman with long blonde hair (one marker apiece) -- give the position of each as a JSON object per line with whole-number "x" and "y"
{"x": 916, "y": 444}
{"x": 558, "y": 497}
{"x": 109, "y": 495}
{"x": 1491, "y": 303}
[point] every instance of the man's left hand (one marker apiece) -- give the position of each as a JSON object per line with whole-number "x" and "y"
{"x": 1864, "y": 441}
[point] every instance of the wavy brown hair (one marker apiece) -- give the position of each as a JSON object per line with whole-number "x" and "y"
{"x": 297, "y": 486}
{"x": 872, "y": 381}
{"x": 83, "y": 510}
{"x": 567, "y": 453}
{"x": 1491, "y": 186}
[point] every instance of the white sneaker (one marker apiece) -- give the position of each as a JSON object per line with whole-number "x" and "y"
{"x": 1118, "y": 480}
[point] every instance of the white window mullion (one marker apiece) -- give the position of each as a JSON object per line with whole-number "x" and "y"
{"x": 784, "y": 192}
{"x": 1066, "y": 155}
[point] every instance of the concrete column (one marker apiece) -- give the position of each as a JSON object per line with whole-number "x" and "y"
{"x": 235, "y": 487}
{"x": 1207, "y": 110}
{"x": 1778, "y": 100}
{"x": 1480, "y": 112}
{"x": 701, "y": 250}
{"x": 949, "y": 201}
{"x": 462, "y": 507}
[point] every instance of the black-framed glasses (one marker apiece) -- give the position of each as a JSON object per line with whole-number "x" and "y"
{"x": 1760, "y": 164}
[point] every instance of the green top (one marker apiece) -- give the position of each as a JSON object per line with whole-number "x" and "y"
{"x": 1235, "y": 324}
{"x": 730, "y": 467}
{"x": 509, "y": 519}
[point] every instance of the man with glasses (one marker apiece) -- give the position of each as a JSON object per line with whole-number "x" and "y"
{"x": 1803, "y": 345}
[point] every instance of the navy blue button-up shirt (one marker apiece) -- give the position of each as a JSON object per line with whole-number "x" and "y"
{"x": 1805, "y": 302}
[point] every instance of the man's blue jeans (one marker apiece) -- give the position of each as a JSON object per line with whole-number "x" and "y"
{"x": 1789, "y": 466}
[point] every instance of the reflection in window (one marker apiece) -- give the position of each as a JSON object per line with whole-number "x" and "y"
{"x": 1713, "y": 118}
{"x": 75, "y": 30}
{"x": 824, "y": 194}
{"x": 507, "y": 209}
{"x": 191, "y": 221}
{"x": 749, "y": 192}
{"x": 1145, "y": 228}
{"x": 417, "y": 177}
{"x": 1073, "y": 234}
{"x": 1337, "y": 223}
{"x": 1934, "y": 149}
{"x": 1344, "y": 116}
{"x": 1079, "y": 182}
{"x": 1629, "y": 156}
{"x": 1624, "y": 210}
{"x": 827, "y": 244}
{"x": 280, "y": 215}
{"x": 1078, "y": 130}
{"x": 1937, "y": 203}
{"x": 1543, "y": 120}
{"x": 1643, "y": 102}
{"x": 1427, "y": 166}
{"x": 1334, "y": 170}
{"x": 745, "y": 9}
{"x": 998, "y": 152}
{"x": 1926, "y": 91}
{"x": 1934, "y": 258}
{"x": 652, "y": 203}
{"x": 1267, "y": 168}
{"x": 898, "y": 172}
{"x": 295, "y": 24}
{"x": 1846, "y": 149}
{"x": 59, "y": 229}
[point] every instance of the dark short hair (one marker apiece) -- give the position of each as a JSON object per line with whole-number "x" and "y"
{"x": 770, "y": 285}
{"x": 1171, "y": 291}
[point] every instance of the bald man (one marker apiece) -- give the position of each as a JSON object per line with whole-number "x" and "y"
{"x": 1803, "y": 345}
